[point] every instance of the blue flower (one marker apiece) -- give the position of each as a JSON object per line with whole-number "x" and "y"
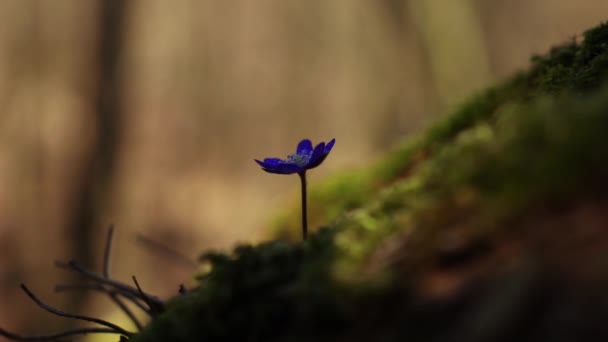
{"x": 306, "y": 157}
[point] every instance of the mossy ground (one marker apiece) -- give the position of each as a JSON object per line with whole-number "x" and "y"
{"x": 490, "y": 227}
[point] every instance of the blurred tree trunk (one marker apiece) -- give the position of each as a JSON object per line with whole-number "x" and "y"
{"x": 455, "y": 46}
{"x": 87, "y": 242}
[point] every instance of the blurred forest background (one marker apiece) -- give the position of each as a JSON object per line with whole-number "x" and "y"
{"x": 148, "y": 114}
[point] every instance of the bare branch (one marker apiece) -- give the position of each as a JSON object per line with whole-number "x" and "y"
{"x": 74, "y": 266}
{"x": 154, "y": 308}
{"x": 141, "y": 292}
{"x": 114, "y": 296}
{"x": 60, "y": 313}
{"x": 101, "y": 288}
{"x": 106, "y": 274}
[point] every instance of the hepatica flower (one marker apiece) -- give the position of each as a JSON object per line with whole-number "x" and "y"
{"x": 305, "y": 158}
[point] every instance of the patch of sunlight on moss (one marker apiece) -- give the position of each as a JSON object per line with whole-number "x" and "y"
{"x": 521, "y": 156}
{"x": 389, "y": 212}
{"x": 366, "y": 220}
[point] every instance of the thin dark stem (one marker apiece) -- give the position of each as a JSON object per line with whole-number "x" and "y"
{"x": 106, "y": 274}
{"x": 54, "y": 337}
{"x": 304, "y": 209}
{"x": 139, "y": 289}
{"x": 60, "y": 313}
{"x": 101, "y": 288}
{"x": 114, "y": 296}
{"x": 73, "y": 265}
{"x": 154, "y": 308}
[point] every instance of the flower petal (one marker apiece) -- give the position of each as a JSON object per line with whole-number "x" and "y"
{"x": 268, "y": 162}
{"x": 304, "y": 147}
{"x": 305, "y": 158}
{"x": 284, "y": 169}
{"x": 317, "y": 156}
{"x": 260, "y": 162}
{"x": 272, "y": 161}
{"x": 279, "y": 166}
{"x": 329, "y": 146}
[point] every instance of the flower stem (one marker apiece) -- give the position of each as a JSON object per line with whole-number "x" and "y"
{"x": 304, "y": 213}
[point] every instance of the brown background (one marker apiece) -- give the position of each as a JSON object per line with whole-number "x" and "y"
{"x": 148, "y": 114}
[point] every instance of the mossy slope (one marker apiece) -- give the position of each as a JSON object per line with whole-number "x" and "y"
{"x": 490, "y": 227}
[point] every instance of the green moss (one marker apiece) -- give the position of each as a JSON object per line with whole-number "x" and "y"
{"x": 570, "y": 67}
{"x": 490, "y": 171}
{"x": 256, "y": 294}
{"x": 537, "y": 138}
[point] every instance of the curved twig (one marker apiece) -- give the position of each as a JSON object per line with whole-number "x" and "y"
{"x": 154, "y": 307}
{"x": 60, "y": 313}
{"x": 76, "y": 267}
{"x": 100, "y": 288}
{"x": 101, "y": 283}
{"x": 114, "y": 296}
